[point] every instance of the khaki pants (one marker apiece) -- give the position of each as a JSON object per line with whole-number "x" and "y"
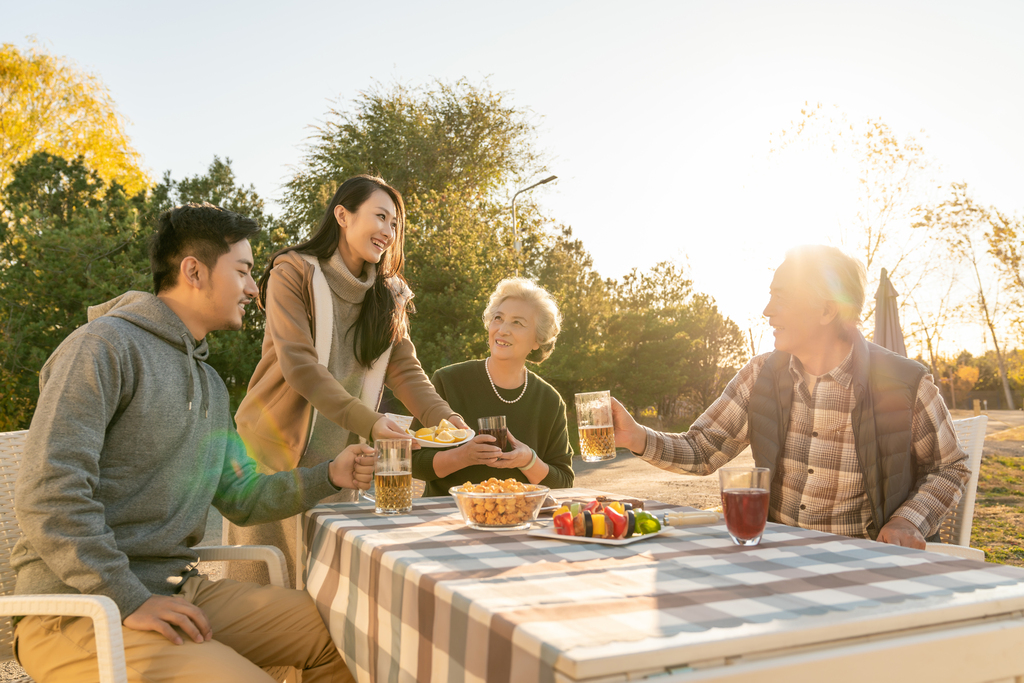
{"x": 253, "y": 626}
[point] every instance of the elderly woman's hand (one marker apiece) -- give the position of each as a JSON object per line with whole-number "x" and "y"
{"x": 480, "y": 450}
{"x": 519, "y": 456}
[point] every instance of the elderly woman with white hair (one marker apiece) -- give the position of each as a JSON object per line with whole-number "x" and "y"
{"x": 522, "y": 322}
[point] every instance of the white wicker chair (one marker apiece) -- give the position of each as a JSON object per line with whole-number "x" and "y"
{"x": 955, "y": 530}
{"x": 101, "y": 609}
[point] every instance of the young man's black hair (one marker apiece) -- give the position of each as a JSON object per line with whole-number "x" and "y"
{"x": 201, "y": 230}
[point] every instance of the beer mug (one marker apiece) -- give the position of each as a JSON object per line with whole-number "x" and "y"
{"x": 594, "y": 420}
{"x": 392, "y": 477}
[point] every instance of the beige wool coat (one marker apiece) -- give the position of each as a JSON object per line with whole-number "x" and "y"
{"x": 292, "y": 387}
{"x": 291, "y": 381}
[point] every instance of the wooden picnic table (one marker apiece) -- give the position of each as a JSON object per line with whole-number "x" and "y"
{"x": 421, "y": 597}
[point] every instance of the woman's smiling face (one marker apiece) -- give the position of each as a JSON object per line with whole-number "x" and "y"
{"x": 512, "y": 331}
{"x": 367, "y": 232}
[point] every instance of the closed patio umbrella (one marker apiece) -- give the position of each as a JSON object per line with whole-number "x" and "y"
{"x": 887, "y": 317}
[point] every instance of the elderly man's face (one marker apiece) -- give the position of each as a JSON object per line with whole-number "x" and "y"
{"x": 800, "y": 318}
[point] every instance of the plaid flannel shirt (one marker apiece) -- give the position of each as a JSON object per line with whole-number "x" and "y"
{"x": 818, "y": 483}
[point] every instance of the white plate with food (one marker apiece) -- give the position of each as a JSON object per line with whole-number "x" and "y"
{"x": 444, "y": 435}
{"x": 550, "y": 533}
{"x": 449, "y": 434}
{"x": 438, "y": 444}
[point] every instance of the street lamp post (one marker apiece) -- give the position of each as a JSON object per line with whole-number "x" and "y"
{"x": 517, "y": 245}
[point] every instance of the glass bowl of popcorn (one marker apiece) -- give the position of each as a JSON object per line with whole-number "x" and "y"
{"x": 497, "y": 504}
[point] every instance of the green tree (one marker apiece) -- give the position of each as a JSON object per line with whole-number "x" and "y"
{"x": 453, "y": 262}
{"x": 718, "y": 351}
{"x": 70, "y": 241}
{"x": 647, "y": 345}
{"x": 566, "y": 270}
{"x": 667, "y": 346}
{"x": 447, "y": 136}
{"x": 49, "y": 104}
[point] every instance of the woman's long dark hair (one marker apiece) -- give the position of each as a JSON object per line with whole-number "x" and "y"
{"x": 381, "y": 321}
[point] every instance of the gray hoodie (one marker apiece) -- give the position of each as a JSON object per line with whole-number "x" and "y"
{"x": 131, "y": 441}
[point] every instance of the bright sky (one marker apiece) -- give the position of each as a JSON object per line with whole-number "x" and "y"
{"x": 656, "y": 115}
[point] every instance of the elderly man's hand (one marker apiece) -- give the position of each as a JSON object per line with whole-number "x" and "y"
{"x": 899, "y": 531}
{"x": 628, "y": 434}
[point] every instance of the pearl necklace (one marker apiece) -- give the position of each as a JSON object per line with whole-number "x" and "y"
{"x": 526, "y": 383}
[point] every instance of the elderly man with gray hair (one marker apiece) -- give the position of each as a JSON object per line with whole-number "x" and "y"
{"x": 857, "y": 438}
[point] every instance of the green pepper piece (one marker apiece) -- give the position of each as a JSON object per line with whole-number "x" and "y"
{"x": 646, "y": 523}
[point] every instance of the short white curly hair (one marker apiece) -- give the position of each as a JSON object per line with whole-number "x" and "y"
{"x": 549, "y": 319}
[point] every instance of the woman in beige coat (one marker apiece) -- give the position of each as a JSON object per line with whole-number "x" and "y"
{"x": 336, "y": 333}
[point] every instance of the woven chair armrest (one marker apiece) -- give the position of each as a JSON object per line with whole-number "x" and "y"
{"x": 271, "y": 555}
{"x": 956, "y": 550}
{"x": 105, "y": 617}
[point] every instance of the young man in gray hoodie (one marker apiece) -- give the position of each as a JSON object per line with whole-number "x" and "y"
{"x": 131, "y": 442}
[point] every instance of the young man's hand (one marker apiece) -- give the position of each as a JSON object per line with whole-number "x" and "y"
{"x": 899, "y": 531}
{"x": 161, "y": 613}
{"x": 353, "y": 468}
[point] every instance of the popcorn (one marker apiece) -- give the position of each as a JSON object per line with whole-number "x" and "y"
{"x": 508, "y": 505}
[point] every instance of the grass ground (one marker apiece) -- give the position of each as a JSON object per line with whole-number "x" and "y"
{"x": 999, "y": 512}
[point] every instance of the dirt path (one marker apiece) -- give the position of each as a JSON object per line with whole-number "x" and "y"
{"x": 630, "y": 476}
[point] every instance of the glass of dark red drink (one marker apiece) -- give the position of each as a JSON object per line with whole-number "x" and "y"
{"x": 495, "y": 426}
{"x": 745, "y": 502}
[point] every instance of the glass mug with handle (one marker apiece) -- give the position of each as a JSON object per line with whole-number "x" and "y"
{"x": 594, "y": 420}
{"x": 392, "y": 477}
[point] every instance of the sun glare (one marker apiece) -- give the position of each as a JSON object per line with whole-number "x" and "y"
{"x": 790, "y": 198}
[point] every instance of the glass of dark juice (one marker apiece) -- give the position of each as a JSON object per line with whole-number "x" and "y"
{"x": 745, "y": 502}
{"x": 495, "y": 426}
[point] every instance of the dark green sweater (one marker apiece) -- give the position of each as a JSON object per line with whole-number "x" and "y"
{"x": 537, "y": 419}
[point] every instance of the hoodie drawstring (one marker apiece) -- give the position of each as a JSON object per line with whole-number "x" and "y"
{"x": 203, "y": 380}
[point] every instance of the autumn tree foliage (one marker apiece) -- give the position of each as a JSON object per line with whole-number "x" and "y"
{"x": 50, "y": 104}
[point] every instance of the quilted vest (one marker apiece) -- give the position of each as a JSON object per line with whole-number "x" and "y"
{"x": 885, "y": 392}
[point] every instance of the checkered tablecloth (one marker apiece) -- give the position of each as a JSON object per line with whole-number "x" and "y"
{"x": 421, "y": 597}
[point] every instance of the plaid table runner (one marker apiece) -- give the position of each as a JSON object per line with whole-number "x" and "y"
{"x": 421, "y": 597}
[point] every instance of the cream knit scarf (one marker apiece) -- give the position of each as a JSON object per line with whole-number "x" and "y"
{"x": 323, "y": 316}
